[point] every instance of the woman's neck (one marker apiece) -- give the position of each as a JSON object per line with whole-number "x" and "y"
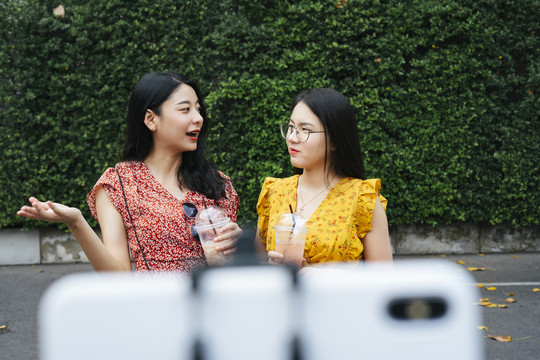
{"x": 317, "y": 179}
{"x": 164, "y": 167}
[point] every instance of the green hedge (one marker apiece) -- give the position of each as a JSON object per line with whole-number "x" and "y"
{"x": 446, "y": 93}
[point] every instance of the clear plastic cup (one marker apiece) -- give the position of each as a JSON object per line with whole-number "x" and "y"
{"x": 207, "y": 224}
{"x": 290, "y": 238}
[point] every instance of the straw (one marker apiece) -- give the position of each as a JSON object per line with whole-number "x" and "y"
{"x": 292, "y": 213}
{"x": 293, "y": 224}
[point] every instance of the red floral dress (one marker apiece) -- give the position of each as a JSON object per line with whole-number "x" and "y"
{"x": 161, "y": 224}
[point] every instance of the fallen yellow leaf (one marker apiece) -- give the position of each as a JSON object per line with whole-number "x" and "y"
{"x": 502, "y": 306}
{"x": 536, "y": 290}
{"x": 461, "y": 262}
{"x": 482, "y": 327}
{"x": 475, "y": 269}
{"x": 3, "y": 327}
{"x": 511, "y": 294}
{"x": 510, "y": 300}
{"x": 480, "y": 285}
{"x": 501, "y": 338}
{"x": 491, "y": 288}
{"x": 481, "y": 255}
{"x": 486, "y": 303}
{"x": 484, "y": 299}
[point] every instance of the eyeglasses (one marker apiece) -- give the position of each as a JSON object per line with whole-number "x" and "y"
{"x": 191, "y": 211}
{"x": 302, "y": 134}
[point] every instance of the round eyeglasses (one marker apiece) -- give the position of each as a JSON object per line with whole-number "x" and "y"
{"x": 302, "y": 134}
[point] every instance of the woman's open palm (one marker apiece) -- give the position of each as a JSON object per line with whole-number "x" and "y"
{"x": 49, "y": 211}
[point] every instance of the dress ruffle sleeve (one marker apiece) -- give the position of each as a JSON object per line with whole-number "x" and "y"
{"x": 263, "y": 207}
{"x": 110, "y": 183}
{"x": 369, "y": 191}
{"x": 230, "y": 203}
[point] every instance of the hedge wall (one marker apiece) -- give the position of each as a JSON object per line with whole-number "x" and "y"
{"x": 446, "y": 94}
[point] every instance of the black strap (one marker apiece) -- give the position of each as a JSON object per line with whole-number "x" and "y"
{"x": 131, "y": 219}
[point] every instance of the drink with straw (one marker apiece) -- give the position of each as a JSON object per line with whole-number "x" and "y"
{"x": 207, "y": 224}
{"x": 290, "y": 235}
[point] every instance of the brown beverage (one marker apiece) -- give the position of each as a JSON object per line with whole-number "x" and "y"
{"x": 290, "y": 238}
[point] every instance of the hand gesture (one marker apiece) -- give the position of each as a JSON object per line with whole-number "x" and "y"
{"x": 49, "y": 211}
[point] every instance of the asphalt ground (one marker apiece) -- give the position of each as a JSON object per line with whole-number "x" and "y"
{"x": 501, "y": 276}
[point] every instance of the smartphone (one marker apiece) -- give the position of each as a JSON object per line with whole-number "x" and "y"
{"x": 409, "y": 310}
{"x": 116, "y": 316}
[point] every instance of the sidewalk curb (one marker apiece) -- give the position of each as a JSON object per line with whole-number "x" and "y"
{"x": 52, "y": 246}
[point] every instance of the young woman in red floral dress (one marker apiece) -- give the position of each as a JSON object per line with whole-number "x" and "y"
{"x": 145, "y": 205}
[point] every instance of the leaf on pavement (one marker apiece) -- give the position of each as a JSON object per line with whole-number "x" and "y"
{"x": 536, "y": 290}
{"x": 510, "y": 300}
{"x": 3, "y": 327}
{"x": 475, "y": 269}
{"x": 485, "y": 303}
{"x": 491, "y": 288}
{"x": 501, "y": 338}
{"x": 482, "y": 327}
{"x": 461, "y": 262}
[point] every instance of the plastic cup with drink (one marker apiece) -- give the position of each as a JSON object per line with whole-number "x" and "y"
{"x": 207, "y": 224}
{"x": 290, "y": 238}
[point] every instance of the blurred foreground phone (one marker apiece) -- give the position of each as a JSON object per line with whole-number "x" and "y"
{"x": 415, "y": 310}
{"x": 411, "y": 310}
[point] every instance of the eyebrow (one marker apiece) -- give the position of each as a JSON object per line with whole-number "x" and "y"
{"x": 302, "y": 123}
{"x": 187, "y": 102}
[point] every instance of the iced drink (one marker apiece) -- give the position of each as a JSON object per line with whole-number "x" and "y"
{"x": 207, "y": 224}
{"x": 290, "y": 238}
{"x": 207, "y": 233}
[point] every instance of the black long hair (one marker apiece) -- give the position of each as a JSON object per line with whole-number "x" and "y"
{"x": 337, "y": 116}
{"x": 151, "y": 91}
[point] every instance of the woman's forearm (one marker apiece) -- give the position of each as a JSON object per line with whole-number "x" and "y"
{"x": 98, "y": 255}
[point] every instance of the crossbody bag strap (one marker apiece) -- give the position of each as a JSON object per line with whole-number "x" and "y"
{"x": 131, "y": 219}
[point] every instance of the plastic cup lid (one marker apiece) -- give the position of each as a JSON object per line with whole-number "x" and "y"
{"x": 209, "y": 214}
{"x": 214, "y": 225}
{"x": 287, "y": 221}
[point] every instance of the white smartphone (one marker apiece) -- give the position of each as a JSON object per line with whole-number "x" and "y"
{"x": 116, "y": 316}
{"x": 411, "y": 310}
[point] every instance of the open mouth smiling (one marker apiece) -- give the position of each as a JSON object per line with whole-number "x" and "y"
{"x": 193, "y": 134}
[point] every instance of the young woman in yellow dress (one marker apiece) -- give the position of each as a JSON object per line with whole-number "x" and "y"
{"x": 345, "y": 212}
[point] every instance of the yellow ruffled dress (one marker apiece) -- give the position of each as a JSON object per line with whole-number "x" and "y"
{"x": 337, "y": 225}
